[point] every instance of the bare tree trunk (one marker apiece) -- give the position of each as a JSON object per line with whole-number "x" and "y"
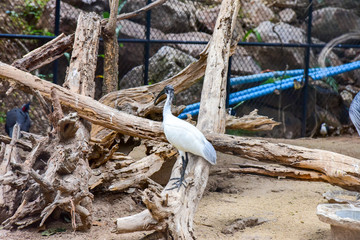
{"x": 45, "y": 54}
{"x": 61, "y": 44}
{"x": 64, "y": 181}
{"x": 174, "y": 210}
{"x": 111, "y": 48}
{"x": 127, "y": 124}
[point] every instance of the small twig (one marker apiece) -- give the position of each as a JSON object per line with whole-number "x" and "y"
{"x": 135, "y": 13}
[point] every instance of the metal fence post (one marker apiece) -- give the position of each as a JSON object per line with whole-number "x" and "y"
{"x": 147, "y": 46}
{"x": 228, "y": 84}
{"x": 306, "y": 70}
{"x": 56, "y": 32}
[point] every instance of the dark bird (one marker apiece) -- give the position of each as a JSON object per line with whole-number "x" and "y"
{"x": 20, "y": 116}
{"x": 354, "y": 112}
{"x": 184, "y": 136}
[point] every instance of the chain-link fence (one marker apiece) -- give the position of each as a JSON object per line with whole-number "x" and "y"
{"x": 277, "y": 37}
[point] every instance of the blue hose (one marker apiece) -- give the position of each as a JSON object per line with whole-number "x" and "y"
{"x": 263, "y": 76}
{"x": 269, "y": 88}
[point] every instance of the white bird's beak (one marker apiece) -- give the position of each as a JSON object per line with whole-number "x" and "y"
{"x": 158, "y": 96}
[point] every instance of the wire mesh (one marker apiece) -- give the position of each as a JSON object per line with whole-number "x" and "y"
{"x": 273, "y": 37}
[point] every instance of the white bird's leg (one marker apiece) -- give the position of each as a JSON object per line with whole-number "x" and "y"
{"x": 181, "y": 180}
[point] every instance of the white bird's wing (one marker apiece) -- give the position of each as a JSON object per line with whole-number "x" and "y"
{"x": 354, "y": 112}
{"x": 186, "y": 137}
{"x": 210, "y": 153}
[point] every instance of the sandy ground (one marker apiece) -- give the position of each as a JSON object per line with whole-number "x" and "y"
{"x": 289, "y": 206}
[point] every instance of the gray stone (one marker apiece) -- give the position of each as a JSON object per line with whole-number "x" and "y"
{"x": 133, "y": 53}
{"x": 164, "y": 64}
{"x": 287, "y": 15}
{"x": 276, "y": 58}
{"x": 171, "y": 17}
{"x": 344, "y": 220}
{"x": 331, "y": 22}
{"x": 206, "y": 17}
{"x": 98, "y": 6}
{"x": 192, "y": 49}
{"x": 243, "y": 64}
{"x": 68, "y": 17}
{"x": 255, "y": 12}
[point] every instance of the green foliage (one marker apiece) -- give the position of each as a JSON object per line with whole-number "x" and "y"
{"x": 2, "y": 117}
{"x": 252, "y": 31}
{"x": 275, "y": 79}
{"x": 240, "y": 132}
{"x": 332, "y": 83}
{"x": 27, "y": 16}
{"x": 52, "y": 231}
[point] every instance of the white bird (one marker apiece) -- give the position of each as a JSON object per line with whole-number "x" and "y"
{"x": 323, "y": 129}
{"x": 184, "y": 136}
{"x": 354, "y": 112}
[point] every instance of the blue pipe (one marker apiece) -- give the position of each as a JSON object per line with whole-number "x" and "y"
{"x": 269, "y": 88}
{"x": 263, "y": 76}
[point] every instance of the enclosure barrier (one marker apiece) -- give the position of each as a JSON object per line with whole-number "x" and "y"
{"x": 265, "y": 89}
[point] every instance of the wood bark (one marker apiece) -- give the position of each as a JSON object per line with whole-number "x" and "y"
{"x": 45, "y": 54}
{"x": 275, "y": 170}
{"x": 111, "y": 51}
{"x": 63, "y": 181}
{"x": 61, "y": 44}
{"x": 251, "y": 122}
{"x": 174, "y": 210}
{"x": 127, "y": 124}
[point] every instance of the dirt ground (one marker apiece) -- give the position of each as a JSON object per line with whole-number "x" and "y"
{"x": 288, "y": 206}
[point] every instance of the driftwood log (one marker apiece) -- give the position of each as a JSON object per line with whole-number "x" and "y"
{"x": 62, "y": 44}
{"x": 55, "y": 174}
{"x": 97, "y": 113}
{"x": 172, "y": 212}
{"x": 111, "y": 51}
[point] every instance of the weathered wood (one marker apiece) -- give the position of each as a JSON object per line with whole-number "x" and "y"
{"x": 279, "y": 171}
{"x": 86, "y": 107}
{"x": 46, "y": 53}
{"x": 64, "y": 181}
{"x": 340, "y": 170}
{"x": 127, "y": 124}
{"x": 121, "y": 173}
{"x": 80, "y": 76}
{"x": 8, "y": 194}
{"x": 61, "y": 44}
{"x": 111, "y": 51}
{"x": 251, "y": 122}
{"x": 176, "y": 217}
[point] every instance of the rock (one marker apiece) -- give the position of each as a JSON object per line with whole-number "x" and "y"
{"x": 68, "y": 17}
{"x": 290, "y": 127}
{"x": 347, "y": 97}
{"x": 343, "y": 218}
{"x": 331, "y": 22}
{"x": 347, "y": 4}
{"x": 171, "y": 17}
{"x": 243, "y": 64}
{"x": 277, "y": 58}
{"x": 255, "y": 11}
{"x": 192, "y": 49}
{"x": 133, "y": 53}
{"x": 98, "y": 6}
{"x": 164, "y": 64}
{"x": 287, "y": 15}
{"x": 206, "y": 17}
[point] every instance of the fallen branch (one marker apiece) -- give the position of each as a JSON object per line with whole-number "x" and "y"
{"x": 45, "y": 54}
{"x": 279, "y": 171}
{"x": 341, "y": 169}
{"x": 62, "y": 44}
{"x": 251, "y": 122}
